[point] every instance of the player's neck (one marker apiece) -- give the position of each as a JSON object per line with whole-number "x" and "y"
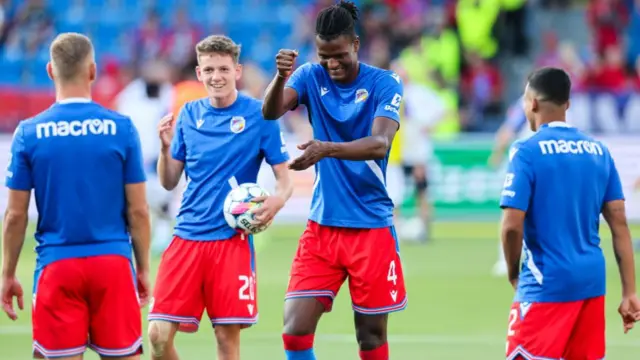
{"x": 225, "y": 101}
{"x": 551, "y": 118}
{"x": 73, "y": 91}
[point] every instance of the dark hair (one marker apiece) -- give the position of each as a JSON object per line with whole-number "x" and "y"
{"x": 553, "y": 84}
{"x": 336, "y": 20}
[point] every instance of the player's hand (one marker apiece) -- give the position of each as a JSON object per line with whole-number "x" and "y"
{"x": 144, "y": 287}
{"x": 629, "y": 310}
{"x": 285, "y": 60}
{"x": 11, "y": 288}
{"x": 270, "y": 206}
{"x": 314, "y": 151}
{"x": 166, "y": 129}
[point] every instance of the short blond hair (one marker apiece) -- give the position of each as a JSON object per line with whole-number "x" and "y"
{"x": 69, "y": 53}
{"x": 219, "y": 44}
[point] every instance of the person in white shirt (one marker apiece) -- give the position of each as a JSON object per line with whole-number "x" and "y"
{"x": 145, "y": 100}
{"x": 422, "y": 110}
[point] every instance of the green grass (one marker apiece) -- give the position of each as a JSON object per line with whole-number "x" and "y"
{"x": 457, "y": 310}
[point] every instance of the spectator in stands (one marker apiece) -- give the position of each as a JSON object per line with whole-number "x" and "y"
{"x": 481, "y": 89}
{"x": 477, "y": 26}
{"x": 182, "y": 39}
{"x": 608, "y": 73}
{"x": 607, "y": 19}
{"x": 31, "y": 29}
{"x": 148, "y": 39}
{"x": 515, "y": 21}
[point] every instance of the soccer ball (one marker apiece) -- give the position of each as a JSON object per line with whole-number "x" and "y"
{"x": 238, "y": 207}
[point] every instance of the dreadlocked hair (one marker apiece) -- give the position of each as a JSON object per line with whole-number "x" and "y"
{"x": 336, "y": 20}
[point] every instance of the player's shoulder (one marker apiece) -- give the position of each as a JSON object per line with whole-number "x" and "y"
{"x": 195, "y": 106}
{"x": 381, "y": 76}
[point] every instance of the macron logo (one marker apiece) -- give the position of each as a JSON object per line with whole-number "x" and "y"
{"x": 550, "y": 147}
{"x": 323, "y": 91}
{"x": 76, "y": 128}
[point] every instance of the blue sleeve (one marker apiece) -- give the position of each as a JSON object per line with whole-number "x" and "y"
{"x": 272, "y": 144}
{"x": 614, "y": 185}
{"x": 134, "y": 166}
{"x": 519, "y": 181}
{"x": 178, "y": 149}
{"x": 298, "y": 82}
{"x": 388, "y": 97}
{"x": 19, "y": 169}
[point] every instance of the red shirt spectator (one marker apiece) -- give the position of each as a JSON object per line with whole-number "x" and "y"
{"x": 607, "y": 18}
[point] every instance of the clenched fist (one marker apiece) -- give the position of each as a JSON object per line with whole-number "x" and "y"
{"x": 285, "y": 60}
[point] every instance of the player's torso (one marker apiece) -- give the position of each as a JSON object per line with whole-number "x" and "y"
{"x": 564, "y": 260}
{"x": 343, "y": 113}
{"x": 77, "y": 153}
{"x": 222, "y": 148}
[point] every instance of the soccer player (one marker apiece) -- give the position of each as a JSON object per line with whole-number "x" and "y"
{"x": 558, "y": 182}
{"x": 84, "y": 164}
{"x": 353, "y": 109}
{"x": 218, "y": 142}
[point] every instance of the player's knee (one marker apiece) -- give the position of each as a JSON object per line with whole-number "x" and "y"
{"x": 228, "y": 339}
{"x": 160, "y": 336}
{"x": 371, "y": 333}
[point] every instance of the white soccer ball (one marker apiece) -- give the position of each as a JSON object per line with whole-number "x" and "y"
{"x": 238, "y": 207}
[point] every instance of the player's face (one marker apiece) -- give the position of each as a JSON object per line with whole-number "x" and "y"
{"x": 219, "y": 74}
{"x": 339, "y": 57}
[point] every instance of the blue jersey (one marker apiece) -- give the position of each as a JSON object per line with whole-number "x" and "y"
{"x": 561, "y": 178}
{"x": 77, "y": 157}
{"x": 349, "y": 193}
{"x": 220, "y": 147}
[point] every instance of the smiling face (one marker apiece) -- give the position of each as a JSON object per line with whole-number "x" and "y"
{"x": 339, "y": 56}
{"x": 219, "y": 74}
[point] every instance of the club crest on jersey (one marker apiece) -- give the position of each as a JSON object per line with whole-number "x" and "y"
{"x": 361, "y": 95}
{"x": 237, "y": 124}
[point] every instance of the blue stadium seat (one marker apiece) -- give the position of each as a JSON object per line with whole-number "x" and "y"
{"x": 11, "y": 71}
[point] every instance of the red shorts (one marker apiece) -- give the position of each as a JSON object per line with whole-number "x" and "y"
{"x": 219, "y": 276}
{"x": 572, "y": 330}
{"x": 92, "y": 298}
{"x": 369, "y": 257}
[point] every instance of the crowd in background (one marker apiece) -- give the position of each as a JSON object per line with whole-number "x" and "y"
{"x": 457, "y": 48}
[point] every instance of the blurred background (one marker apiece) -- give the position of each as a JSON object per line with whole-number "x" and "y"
{"x": 465, "y": 65}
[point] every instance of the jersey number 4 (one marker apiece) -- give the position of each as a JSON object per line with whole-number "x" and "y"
{"x": 391, "y": 274}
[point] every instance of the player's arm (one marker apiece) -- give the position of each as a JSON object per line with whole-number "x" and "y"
{"x": 375, "y": 146}
{"x": 19, "y": 182}
{"x": 14, "y": 229}
{"x": 276, "y": 155}
{"x": 137, "y": 207}
{"x": 286, "y": 88}
{"x": 172, "y": 151}
{"x": 515, "y": 198}
{"x": 614, "y": 214}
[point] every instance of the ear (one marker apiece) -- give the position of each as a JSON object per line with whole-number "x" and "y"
{"x": 198, "y": 73}
{"x": 535, "y": 105}
{"x": 238, "y": 71}
{"x": 356, "y": 44}
{"x": 568, "y": 105}
{"x": 50, "y": 70}
{"x": 93, "y": 72}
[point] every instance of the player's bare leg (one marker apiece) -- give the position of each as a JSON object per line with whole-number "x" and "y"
{"x": 161, "y": 336}
{"x": 228, "y": 338}
{"x": 133, "y": 357}
{"x": 420, "y": 179}
{"x": 371, "y": 333}
{"x": 301, "y": 317}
